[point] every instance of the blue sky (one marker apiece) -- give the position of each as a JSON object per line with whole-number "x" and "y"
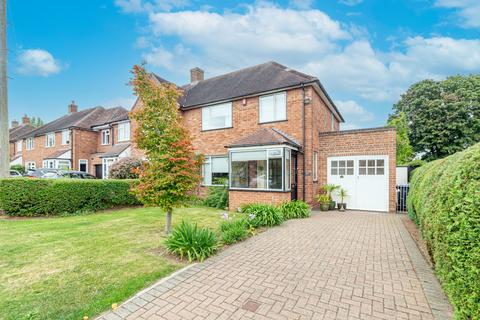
{"x": 366, "y": 53}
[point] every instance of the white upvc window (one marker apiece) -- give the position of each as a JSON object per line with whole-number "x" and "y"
{"x": 215, "y": 170}
{"x": 315, "y": 166}
{"x": 65, "y": 137}
{"x": 273, "y": 107}
{"x": 50, "y": 140}
{"x": 124, "y": 131}
{"x": 29, "y": 143}
{"x": 217, "y": 117}
{"x": 31, "y": 165}
{"x": 105, "y": 136}
{"x": 19, "y": 145}
{"x": 106, "y": 163}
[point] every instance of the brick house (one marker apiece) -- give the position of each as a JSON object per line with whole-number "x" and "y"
{"x": 273, "y": 133}
{"x": 89, "y": 140}
{"x": 16, "y": 134}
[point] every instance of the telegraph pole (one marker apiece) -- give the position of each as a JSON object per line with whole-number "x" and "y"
{"x": 4, "y": 136}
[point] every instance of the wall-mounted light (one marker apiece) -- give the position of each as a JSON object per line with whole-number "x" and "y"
{"x": 307, "y": 100}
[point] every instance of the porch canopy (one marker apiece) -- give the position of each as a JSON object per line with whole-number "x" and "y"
{"x": 262, "y": 161}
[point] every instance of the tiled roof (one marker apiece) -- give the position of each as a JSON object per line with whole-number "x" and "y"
{"x": 264, "y": 137}
{"x": 20, "y": 132}
{"x": 115, "y": 151}
{"x": 84, "y": 119}
{"x": 57, "y": 154}
{"x": 260, "y": 78}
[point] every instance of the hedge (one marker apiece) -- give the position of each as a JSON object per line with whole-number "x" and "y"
{"x": 49, "y": 197}
{"x": 444, "y": 201}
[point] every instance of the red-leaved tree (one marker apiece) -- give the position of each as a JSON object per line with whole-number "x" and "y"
{"x": 172, "y": 169}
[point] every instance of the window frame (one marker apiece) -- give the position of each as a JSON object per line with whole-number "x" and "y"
{"x": 29, "y": 165}
{"x": 211, "y": 173}
{"x": 123, "y": 129}
{"x": 105, "y": 133}
{"x": 203, "y": 117}
{"x": 315, "y": 166}
{"x": 80, "y": 161}
{"x": 30, "y": 143}
{"x": 51, "y": 134}
{"x": 65, "y": 134}
{"x": 19, "y": 146}
{"x": 284, "y": 93}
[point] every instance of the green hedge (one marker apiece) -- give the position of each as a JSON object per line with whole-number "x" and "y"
{"x": 48, "y": 197}
{"x": 444, "y": 201}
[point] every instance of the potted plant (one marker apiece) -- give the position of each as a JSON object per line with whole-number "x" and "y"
{"x": 329, "y": 189}
{"x": 342, "y": 193}
{"x": 324, "y": 201}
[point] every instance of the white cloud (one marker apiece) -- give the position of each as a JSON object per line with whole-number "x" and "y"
{"x": 468, "y": 11}
{"x": 350, "y": 2}
{"x": 137, "y": 6}
{"x": 301, "y": 4}
{"x": 37, "y": 62}
{"x": 350, "y": 109}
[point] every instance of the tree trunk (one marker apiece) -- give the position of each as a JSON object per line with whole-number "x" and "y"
{"x": 168, "y": 222}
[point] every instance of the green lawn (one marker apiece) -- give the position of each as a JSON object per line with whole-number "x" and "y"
{"x": 65, "y": 268}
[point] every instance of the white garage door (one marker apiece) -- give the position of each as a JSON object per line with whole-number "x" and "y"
{"x": 364, "y": 177}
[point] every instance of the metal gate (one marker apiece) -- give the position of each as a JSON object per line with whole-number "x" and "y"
{"x": 402, "y": 192}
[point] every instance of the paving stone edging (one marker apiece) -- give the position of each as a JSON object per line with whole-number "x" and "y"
{"x": 441, "y": 307}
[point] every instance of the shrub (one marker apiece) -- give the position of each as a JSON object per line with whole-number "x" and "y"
{"x": 18, "y": 167}
{"x": 234, "y": 230}
{"x": 295, "y": 209}
{"x": 48, "y": 197}
{"x": 263, "y": 215}
{"x": 125, "y": 168}
{"x": 187, "y": 240}
{"x": 217, "y": 197}
{"x": 444, "y": 200}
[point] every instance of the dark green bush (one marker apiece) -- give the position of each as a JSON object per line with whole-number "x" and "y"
{"x": 444, "y": 201}
{"x": 295, "y": 209}
{"x": 187, "y": 240}
{"x": 234, "y": 230}
{"x": 263, "y": 215}
{"x": 217, "y": 197}
{"x": 49, "y": 197}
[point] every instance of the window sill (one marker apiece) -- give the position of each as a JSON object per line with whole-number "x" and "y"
{"x": 216, "y": 129}
{"x": 275, "y": 121}
{"x": 258, "y": 190}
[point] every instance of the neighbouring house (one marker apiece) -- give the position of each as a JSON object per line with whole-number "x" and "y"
{"x": 16, "y": 134}
{"x": 88, "y": 140}
{"x": 274, "y": 134}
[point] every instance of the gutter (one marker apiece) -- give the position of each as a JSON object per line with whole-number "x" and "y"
{"x": 304, "y": 141}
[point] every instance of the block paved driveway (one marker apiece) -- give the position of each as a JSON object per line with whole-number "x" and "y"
{"x": 331, "y": 266}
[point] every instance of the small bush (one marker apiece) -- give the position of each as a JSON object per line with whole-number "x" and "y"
{"x": 18, "y": 167}
{"x": 125, "y": 168}
{"x": 187, "y": 240}
{"x": 263, "y": 215}
{"x": 217, "y": 197}
{"x": 295, "y": 209}
{"x": 234, "y": 230}
{"x": 49, "y": 197}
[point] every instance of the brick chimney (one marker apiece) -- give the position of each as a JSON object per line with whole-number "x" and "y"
{"x": 196, "y": 74}
{"x": 72, "y": 107}
{"x": 25, "y": 120}
{"x": 14, "y": 123}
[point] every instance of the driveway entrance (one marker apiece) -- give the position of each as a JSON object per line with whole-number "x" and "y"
{"x": 352, "y": 265}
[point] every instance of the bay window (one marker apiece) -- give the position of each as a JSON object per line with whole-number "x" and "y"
{"x": 215, "y": 170}
{"x": 273, "y": 107}
{"x": 262, "y": 169}
{"x": 217, "y": 117}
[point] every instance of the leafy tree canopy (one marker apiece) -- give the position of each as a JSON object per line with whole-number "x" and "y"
{"x": 173, "y": 169}
{"x": 36, "y": 122}
{"x": 443, "y": 117}
{"x": 404, "y": 148}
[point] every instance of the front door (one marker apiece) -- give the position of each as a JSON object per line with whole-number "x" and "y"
{"x": 365, "y": 178}
{"x": 98, "y": 171}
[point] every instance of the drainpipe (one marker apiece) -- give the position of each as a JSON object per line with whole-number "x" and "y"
{"x": 304, "y": 142}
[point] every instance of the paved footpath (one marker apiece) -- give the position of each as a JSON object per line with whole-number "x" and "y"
{"x": 331, "y": 266}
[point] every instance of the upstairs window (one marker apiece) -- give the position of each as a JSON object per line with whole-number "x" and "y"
{"x": 65, "y": 137}
{"x": 19, "y": 145}
{"x": 29, "y": 144}
{"x": 273, "y": 107}
{"x": 217, "y": 117}
{"x": 124, "y": 131}
{"x": 50, "y": 140}
{"x": 106, "y": 136}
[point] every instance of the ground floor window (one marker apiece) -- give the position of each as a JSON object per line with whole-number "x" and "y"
{"x": 215, "y": 170}
{"x": 83, "y": 165}
{"x": 264, "y": 169}
{"x": 31, "y": 165}
{"x": 57, "y": 164}
{"x": 106, "y": 163}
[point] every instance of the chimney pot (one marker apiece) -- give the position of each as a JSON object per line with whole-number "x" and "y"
{"x": 14, "y": 123}
{"x": 25, "y": 120}
{"x": 72, "y": 107}
{"x": 196, "y": 74}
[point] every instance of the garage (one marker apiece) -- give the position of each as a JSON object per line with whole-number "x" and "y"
{"x": 366, "y": 179}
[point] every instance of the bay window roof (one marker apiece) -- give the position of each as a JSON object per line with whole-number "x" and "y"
{"x": 265, "y": 137}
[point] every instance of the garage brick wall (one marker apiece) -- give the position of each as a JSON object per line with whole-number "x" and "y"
{"x": 375, "y": 141}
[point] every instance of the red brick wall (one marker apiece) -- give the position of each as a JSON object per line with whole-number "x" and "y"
{"x": 40, "y": 151}
{"x": 362, "y": 142}
{"x": 239, "y": 198}
{"x": 84, "y": 145}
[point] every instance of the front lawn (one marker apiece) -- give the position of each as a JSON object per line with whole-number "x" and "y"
{"x": 65, "y": 268}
